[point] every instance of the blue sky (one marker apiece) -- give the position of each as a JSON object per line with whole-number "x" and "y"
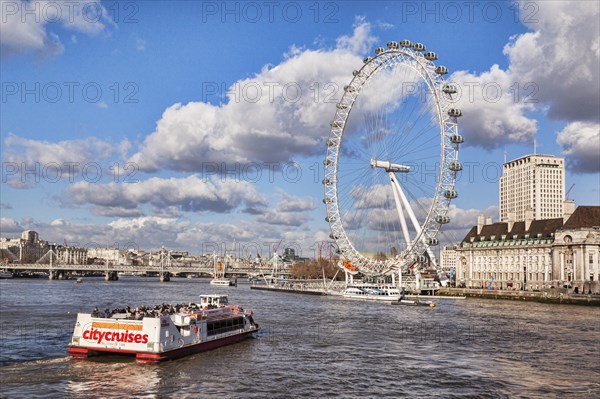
{"x": 164, "y": 90}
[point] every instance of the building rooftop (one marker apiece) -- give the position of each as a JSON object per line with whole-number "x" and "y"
{"x": 533, "y": 156}
{"x": 538, "y": 229}
{"x": 584, "y": 216}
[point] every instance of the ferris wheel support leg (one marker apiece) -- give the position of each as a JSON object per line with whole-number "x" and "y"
{"x": 417, "y": 281}
{"x": 411, "y": 214}
{"x": 396, "y": 192}
{"x": 349, "y": 278}
{"x": 416, "y": 224}
{"x": 400, "y": 277}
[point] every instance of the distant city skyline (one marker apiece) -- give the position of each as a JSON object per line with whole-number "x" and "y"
{"x": 200, "y": 123}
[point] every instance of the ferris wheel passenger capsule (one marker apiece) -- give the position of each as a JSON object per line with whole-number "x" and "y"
{"x": 337, "y": 124}
{"x": 455, "y": 166}
{"x": 430, "y": 56}
{"x": 418, "y": 47}
{"x": 392, "y": 45}
{"x": 432, "y": 241}
{"x": 405, "y": 43}
{"x": 442, "y": 219}
{"x": 455, "y": 112}
{"x": 449, "y": 89}
{"x": 441, "y": 70}
{"x": 349, "y": 88}
{"x": 334, "y": 236}
{"x": 367, "y": 59}
{"x": 379, "y": 50}
{"x": 450, "y": 194}
{"x": 456, "y": 139}
{"x": 327, "y": 200}
{"x": 330, "y": 219}
{"x": 327, "y": 182}
{"x": 420, "y": 258}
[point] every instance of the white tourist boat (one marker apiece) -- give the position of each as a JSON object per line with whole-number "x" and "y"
{"x": 223, "y": 282}
{"x": 372, "y": 292}
{"x": 163, "y": 332}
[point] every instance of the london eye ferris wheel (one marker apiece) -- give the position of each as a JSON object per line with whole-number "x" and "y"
{"x": 392, "y": 161}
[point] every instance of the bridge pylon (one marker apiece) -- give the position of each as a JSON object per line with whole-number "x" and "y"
{"x": 111, "y": 276}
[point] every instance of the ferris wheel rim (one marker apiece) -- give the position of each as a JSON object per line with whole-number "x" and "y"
{"x": 446, "y": 178}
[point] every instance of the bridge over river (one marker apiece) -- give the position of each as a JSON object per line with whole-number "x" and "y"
{"x": 111, "y": 272}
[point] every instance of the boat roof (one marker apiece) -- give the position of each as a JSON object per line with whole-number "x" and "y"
{"x": 213, "y": 296}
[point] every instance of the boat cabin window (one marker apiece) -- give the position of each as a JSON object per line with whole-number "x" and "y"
{"x": 224, "y": 325}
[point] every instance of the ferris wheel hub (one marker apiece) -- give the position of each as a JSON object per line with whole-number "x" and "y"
{"x": 390, "y": 167}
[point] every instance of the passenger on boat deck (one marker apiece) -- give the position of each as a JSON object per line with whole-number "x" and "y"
{"x": 142, "y": 311}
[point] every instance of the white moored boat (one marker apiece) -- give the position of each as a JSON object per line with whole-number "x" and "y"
{"x": 372, "y": 292}
{"x": 164, "y": 332}
{"x": 223, "y": 282}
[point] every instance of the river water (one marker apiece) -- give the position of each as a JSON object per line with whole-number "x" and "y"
{"x": 309, "y": 346}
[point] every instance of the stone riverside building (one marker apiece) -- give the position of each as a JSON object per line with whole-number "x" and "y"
{"x": 30, "y": 249}
{"x": 533, "y": 254}
{"x": 27, "y": 249}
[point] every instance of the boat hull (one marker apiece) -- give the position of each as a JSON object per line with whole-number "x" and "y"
{"x": 408, "y": 302}
{"x": 378, "y": 298}
{"x": 157, "y": 357}
{"x": 371, "y": 292}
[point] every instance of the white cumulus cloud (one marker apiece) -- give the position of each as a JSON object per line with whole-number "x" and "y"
{"x": 24, "y": 24}
{"x": 553, "y": 68}
{"x": 29, "y": 159}
{"x": 189, "y": 194}
{"x": 280, "y": 113}
{"x": 581, "y": 146}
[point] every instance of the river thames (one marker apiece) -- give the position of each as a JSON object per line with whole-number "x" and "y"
{"x": 309, "y": 346}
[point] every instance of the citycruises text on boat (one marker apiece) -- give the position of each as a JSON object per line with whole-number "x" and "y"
{"x": 164, "y": 332}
